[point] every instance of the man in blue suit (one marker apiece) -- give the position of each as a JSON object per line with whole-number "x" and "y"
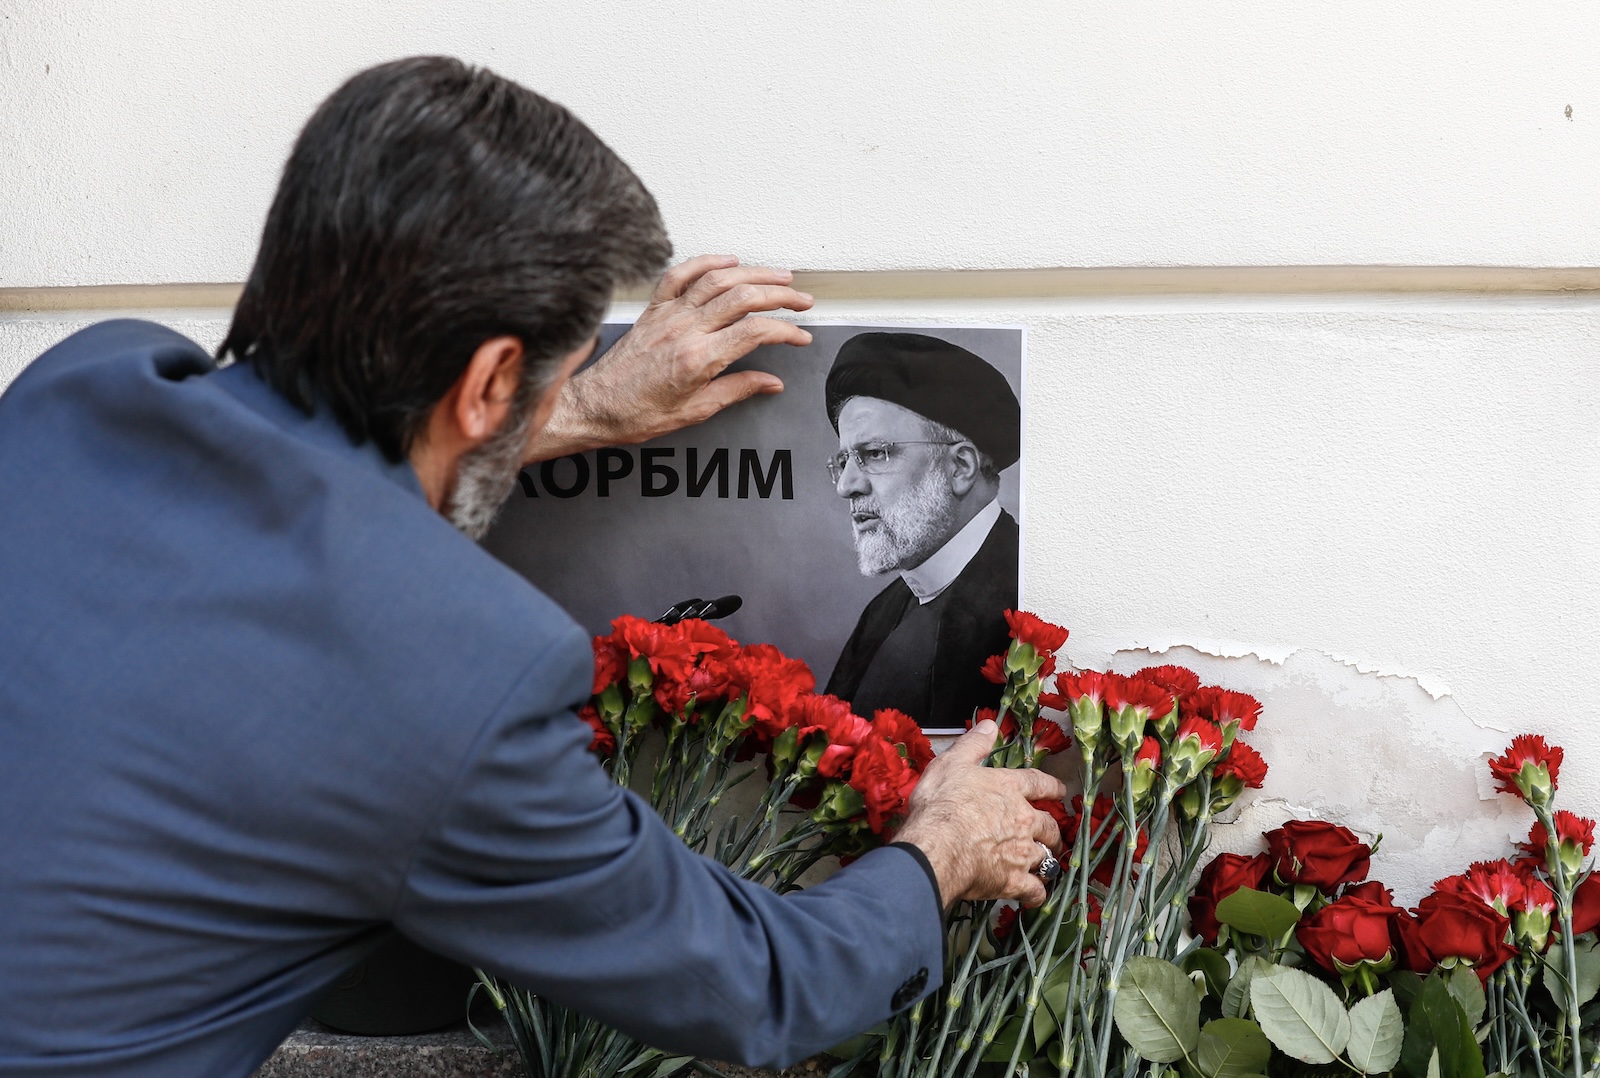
{"x": 260, "y": 702}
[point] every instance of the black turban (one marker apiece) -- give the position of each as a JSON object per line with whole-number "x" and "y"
{"x": 934, "y": 378}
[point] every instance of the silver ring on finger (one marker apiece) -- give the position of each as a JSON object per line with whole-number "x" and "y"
{"x": 1049, "y": 868}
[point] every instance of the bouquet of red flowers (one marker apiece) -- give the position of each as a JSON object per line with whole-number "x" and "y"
{"x": 683, "y": 714}
{"x": 1041, "y": 991}
{"x": 1304, "y": 962}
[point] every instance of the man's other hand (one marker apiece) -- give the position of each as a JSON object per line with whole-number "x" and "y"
{"x": 666, "y": 373}
{"x": 975, "y": 824}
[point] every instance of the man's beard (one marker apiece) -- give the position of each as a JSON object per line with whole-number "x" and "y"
{"x": 908, "y": 531}
{"x": 485, "y": 476}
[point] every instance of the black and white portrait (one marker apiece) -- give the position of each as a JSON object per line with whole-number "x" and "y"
{"x": 867, "y": 516}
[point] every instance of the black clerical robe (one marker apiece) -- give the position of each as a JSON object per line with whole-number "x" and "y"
{"x": 924, "y": 658}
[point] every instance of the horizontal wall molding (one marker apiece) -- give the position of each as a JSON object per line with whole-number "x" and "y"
{"x": 1063, "y": 283}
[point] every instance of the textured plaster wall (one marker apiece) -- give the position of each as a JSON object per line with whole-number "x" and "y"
{"x": 142, "y": 137}
{"x": 1379, "y": 517}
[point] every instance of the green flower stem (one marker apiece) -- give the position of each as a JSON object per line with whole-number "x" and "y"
{"x": 1112, "y": 958}
{"x": 1079, "y": 871}
{"x": 1519, "y": 988}
{"x": 979, "y": 921}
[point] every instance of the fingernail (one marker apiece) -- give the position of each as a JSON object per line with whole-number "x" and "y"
{"x": 988, "y": 726}
{"x": 808, "y": 297}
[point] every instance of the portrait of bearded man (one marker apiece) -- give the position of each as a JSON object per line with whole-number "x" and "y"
{"x": 925, "y": 429}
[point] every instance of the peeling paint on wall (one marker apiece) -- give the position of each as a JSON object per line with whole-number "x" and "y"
{"x": 1373, "y": 749}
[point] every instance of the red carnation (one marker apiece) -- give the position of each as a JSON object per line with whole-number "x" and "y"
{"x": 844, "y": 731}
{"x": 1573, "y": 832}
{"x": 1318, "y": 854}
{"x": 1124, "y": 692}
{"x": 604, "y": 742}
{"x": 1226, "y": 873}
{"x": 1586, "y": 906}
{"x": 1528, "y": 768}
{"x": 1223, "y": 707}
{"x": 1058, "y": 812}
{"x": 773, "y": 683}
{"x": 1048, "y": 737}
{"x": 1041, "y": 635}
{"x": 994, "y": 669}
{"x": 1243, "y": 763}
{"x": 1495, "y": 883}
{"x": 902, "y": 731}
{"x": 1084, "y": 685}
{"x": 1175, "y": 679}
{"x": 611, "y": 659}
{"x": 885, "y": 781}
{"x": 1008, "y": 728}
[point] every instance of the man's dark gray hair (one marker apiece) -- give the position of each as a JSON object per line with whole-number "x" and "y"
{"x": 427, "y": 207}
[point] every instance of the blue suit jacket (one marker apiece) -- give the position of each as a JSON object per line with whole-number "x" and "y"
{"x": 258, "y": 702}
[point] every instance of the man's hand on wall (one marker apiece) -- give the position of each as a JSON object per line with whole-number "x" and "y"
{"x": 976, "y": 826}
{"x": 666, "y": 373}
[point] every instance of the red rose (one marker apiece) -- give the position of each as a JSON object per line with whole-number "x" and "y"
{"x": 1044, "y": 637}
{"x": 1454, "y": 924}
{"x": 1373, "y": 893}
{"x": 1226, "y": 873}
{"x": 1318, "y": 854}
{"x": 1347, "y": 932}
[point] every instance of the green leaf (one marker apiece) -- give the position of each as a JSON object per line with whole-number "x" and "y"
{"x": 1232, "y": 1048}
{"x": 1236, "y": 1000}
{"x": 1301, "y": 1015}
{"x": 1157, "y": 1011}
{"x": 1005, "y": 1041}
{"x": 1047, "y": 1018}
{"x": 1214, "y": 964}
{"x": 1587, "y": 957}
{"x": 1467, "y": 990}
{"x": 1406, "y": 985}
{"x": 1438, "y": 1024}
{"x": 1376, "y": 1034}
{"x": 1258, "y": 913}
{"x": 672, "y": 1065}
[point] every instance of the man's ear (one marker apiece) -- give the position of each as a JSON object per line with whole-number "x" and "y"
{"x": 482, "y": 396}
{"x": 964, "y": 470}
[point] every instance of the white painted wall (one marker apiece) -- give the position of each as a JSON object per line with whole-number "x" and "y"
{"x": 142, "y": 138}
{"x": 1382, "y": 515}
{"x": 1381, "y": 518}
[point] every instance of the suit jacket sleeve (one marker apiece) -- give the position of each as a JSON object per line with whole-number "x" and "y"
{"x": 542, "y": 870}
